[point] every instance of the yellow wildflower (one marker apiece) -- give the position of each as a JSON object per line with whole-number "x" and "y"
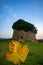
{"x": 24, "y": 53}
{"x": 18, "y": 52}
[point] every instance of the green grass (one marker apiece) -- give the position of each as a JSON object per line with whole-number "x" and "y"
{"x": 35, "y": 56}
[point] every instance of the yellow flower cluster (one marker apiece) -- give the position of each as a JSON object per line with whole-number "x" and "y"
{"x": 18, "y": 53}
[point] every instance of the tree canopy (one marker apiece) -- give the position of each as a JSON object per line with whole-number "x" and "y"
{"x": 23, "y": 25}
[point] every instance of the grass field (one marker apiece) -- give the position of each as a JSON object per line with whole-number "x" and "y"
{"x": 35, "y": 56}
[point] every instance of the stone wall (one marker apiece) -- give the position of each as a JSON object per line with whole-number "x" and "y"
{"x": 22, "y": 35}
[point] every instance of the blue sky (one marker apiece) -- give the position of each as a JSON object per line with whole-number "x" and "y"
{"x": 28, "y": 10}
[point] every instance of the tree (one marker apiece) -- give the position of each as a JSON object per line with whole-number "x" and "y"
{"x": 23, "y": 25}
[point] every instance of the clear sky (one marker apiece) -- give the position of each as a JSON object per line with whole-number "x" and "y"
{"x": 28, "y": 10}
